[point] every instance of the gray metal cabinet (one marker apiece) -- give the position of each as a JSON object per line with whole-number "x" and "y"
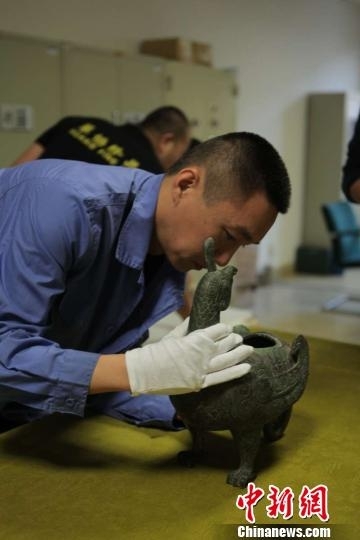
{"x": 141, "y": 87}
{"x": 43, "y": 81}
{"x": 111, "y": 86}
{"x": 30, "y": 92}
{"x": 207, "y": 95}
{"x": 90, "y": 82}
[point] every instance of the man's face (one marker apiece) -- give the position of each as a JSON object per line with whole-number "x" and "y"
{"x": 232, "y": 223}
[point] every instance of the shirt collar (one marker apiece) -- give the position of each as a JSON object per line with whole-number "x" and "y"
{"x": 135, "y": 235}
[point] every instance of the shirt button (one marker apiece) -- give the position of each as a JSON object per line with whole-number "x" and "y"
{"x": 70, "y": 402}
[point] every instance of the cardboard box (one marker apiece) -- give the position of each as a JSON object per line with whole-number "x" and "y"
{"x": 178, "y": 49}
{"x": 170, "y": 48}
{"x": 201, "y": 53}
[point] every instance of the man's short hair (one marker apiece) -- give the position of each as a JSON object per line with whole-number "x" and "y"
{"x": 239, "y": 163}
{"x": 167, "y": 119}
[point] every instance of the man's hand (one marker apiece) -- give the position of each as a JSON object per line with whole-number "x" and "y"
{"x": 178, "y": 365}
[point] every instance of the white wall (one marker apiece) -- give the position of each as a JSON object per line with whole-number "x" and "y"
{"x": 282, "y": 49}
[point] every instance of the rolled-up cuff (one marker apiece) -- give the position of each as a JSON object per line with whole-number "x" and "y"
{"x": 143, "y": 410}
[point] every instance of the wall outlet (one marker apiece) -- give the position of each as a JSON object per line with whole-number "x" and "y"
{"x": 14, "y": 117}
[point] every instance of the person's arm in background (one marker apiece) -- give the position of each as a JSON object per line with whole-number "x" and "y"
{"x": 43, "y": 141}
{"x": 185, "y": 309}
{"x": 351, "y": 169}
{"x": 34, "y": 151}
{"x": 355, "y": 191}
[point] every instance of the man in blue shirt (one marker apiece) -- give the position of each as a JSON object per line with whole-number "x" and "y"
{"x": 92, "y": 256}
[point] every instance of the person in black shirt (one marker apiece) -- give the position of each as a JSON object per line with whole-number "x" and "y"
{"x": 351, "y": 170}
{"x": 153, "y": 145}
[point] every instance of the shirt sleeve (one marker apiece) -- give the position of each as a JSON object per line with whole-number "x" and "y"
{"x": 351, "y": 169}
{"x": 44, "y": 234}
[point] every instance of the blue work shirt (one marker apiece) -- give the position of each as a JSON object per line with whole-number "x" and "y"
{"x": 74, "y": 240}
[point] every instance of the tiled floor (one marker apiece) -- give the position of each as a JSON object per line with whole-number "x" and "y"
{"x": 296, "y": 304}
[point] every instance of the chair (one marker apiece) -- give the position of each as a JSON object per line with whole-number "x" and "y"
{"x": 345, "y": 238}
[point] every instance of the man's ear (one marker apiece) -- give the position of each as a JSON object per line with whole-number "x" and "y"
{"x": 186, "y": 182}
{"x": 165, "y": 139}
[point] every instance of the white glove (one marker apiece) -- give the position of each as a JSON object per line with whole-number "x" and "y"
{"x": 179, "y": 365}
{"x": 180, "y": 330}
